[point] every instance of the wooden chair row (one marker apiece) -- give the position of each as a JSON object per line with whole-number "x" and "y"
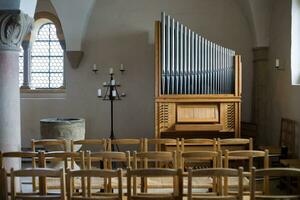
{"x": 143, "y": 160}
{"x": 143, "y": 144}
{"x": 86, "y": 192}
{"x": 179, "y": 159}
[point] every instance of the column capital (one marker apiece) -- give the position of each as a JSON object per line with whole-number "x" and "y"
{"x": 13, "y": 27}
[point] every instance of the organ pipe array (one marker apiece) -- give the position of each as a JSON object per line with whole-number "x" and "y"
{"x": 198, "y": 82}
{"x": 191, "y": 64}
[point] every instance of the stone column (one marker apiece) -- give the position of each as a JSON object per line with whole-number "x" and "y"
{"x": 27, "y": 61}
{"x": 260, "y": 100}
{"x": 14, "y": 25}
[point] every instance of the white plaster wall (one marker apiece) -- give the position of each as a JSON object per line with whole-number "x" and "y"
{"x": 283, "y": 97}
{"x": 122, "y": 32}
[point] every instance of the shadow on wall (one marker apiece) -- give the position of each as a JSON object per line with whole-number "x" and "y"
{"x": 134, "y": 115}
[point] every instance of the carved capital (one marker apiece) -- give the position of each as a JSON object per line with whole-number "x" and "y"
{"x": 13, "y": 27}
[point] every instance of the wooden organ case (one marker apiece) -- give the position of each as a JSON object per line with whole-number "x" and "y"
{"x": 198, "y": 84}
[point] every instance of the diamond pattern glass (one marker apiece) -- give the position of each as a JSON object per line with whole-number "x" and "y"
{"x": 47, "y": 59}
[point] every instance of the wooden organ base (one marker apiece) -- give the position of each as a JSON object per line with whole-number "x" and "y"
{"x": 206, "y": 117}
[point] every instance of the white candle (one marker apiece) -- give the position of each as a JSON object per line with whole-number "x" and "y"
{"x": 99, "y": 92}
{"x": 111, "y": 70}
{"x": 277, "y": 63}
{"x": 94, "y": 67}
{"x": 114, "y": 93}
{"x": 122, "y": 67}
{"x": 113, "y": 82}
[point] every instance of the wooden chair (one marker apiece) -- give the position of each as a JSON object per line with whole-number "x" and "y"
{"x": 110, "y": 160}
{"x": 47, "y": 145}
{"x": 272, "y": 172}
{"x": 286, "y": 140}
{"x": 125, "y": 144}
{"x": 134, "y": 194}
{"x": 198, "y": 144}
{"x": 86, "y": 190}
{"x": 245, "y": 155}
{"x": 20, "y": 155}
{"x": 211, "y": 159}
{"x": 166, "y": 160}
{"x": 222, "y": 190}
{"x": 42, "y": 193}
{"x": 67, "y": 159}
{"x": 234, "y": 144}
{"x": 101, "y": 143}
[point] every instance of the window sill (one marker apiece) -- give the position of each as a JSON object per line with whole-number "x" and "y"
{"x": 43, "y": 91}
{"x": 59, "y": 93}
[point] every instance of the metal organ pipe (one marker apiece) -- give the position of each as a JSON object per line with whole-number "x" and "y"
{"x": 191, "y": 64}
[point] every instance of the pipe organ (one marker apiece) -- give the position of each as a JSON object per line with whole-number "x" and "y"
{"x": 198, "y": 83}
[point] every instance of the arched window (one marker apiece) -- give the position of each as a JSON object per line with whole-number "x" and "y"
{"x": 41, "y": 58}
{"x": 47, "y": 59}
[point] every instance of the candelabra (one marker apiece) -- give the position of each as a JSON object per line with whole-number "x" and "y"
{"x": 111, "y": 94}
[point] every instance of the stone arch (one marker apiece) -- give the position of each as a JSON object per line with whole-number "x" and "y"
{"x": 41, "y": 18}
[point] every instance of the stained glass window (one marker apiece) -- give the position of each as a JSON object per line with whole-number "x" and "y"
{"x": 21, "y": 66}
{"x": 47, "y": 59}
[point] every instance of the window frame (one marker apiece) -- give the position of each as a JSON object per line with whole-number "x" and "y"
{"x": 40, "y": 20}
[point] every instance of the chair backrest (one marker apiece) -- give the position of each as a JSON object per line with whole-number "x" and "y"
{"x": 86, "y": 190}
{"x": 287, "y": 134}
{"x": 39, "y": 172}
{"x": 132, "y": 174}
{"x": 214, "y": 157}
{"x": 246, "y": 155}
{"x": 108, "y": 158}
{"x": 163, "y": 157}
{"x": 222, "y": 189}
{"x": 160, "y": 143}
{"x": 17, "y": 154}
{"x": 68, "y": 158}
{"x": 224, "y": 144}
{"x": 125, "y": 144}
{"x": 101, "y": 143}
{"x": 51, "y": 144}
{"x": 272, "y": 172}
{"x": 198, "y": 144}
{"x": 201, "y": 159}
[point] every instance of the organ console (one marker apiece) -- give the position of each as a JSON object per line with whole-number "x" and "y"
{"x": 197, "y": 84}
